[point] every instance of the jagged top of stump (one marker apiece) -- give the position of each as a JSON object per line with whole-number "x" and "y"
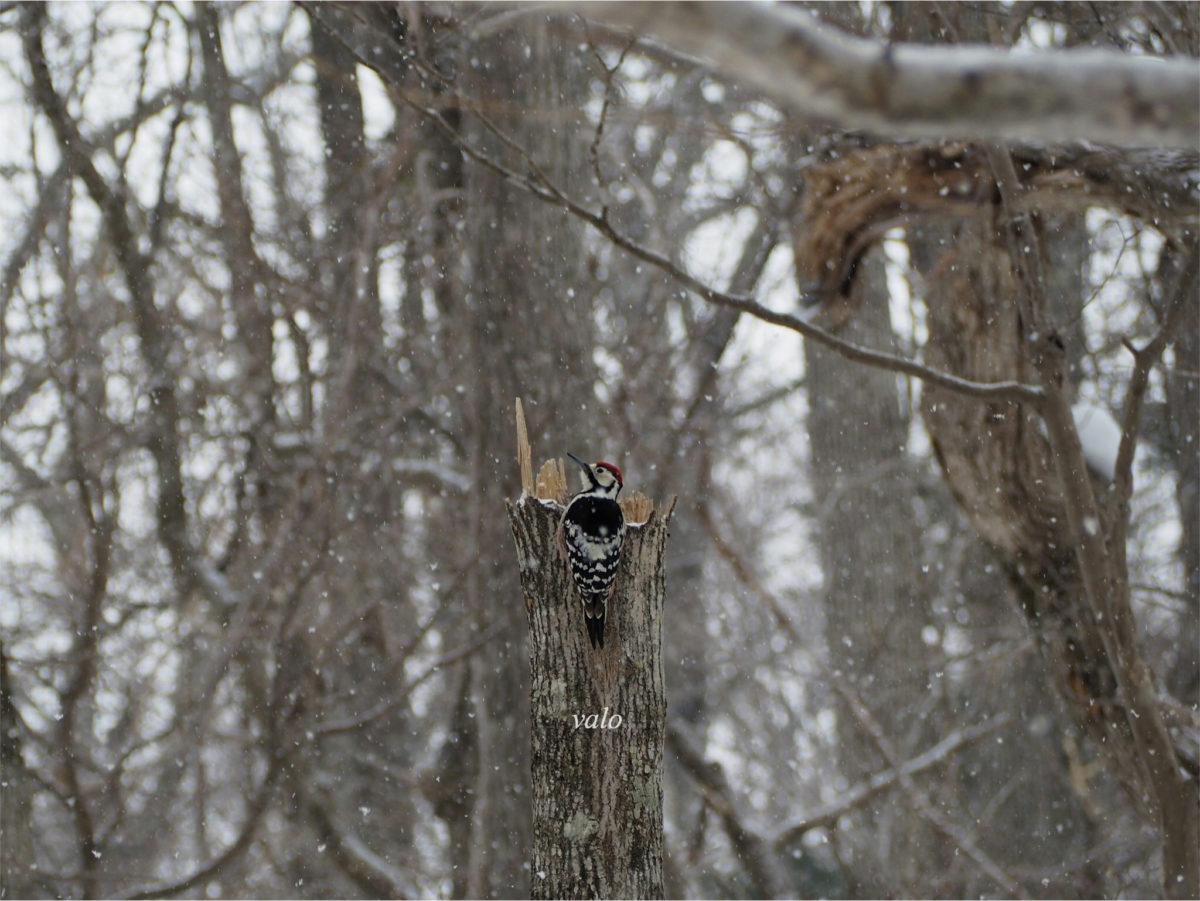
{"x": 551, "y": 482}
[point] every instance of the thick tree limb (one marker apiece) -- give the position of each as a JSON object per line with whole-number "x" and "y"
{"x": 911, "y": 91}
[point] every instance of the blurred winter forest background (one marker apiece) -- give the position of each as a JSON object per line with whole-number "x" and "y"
{"x": 272, "y": 277}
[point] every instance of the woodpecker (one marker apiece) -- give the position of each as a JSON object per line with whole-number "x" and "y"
{"x": 590, "y": 536}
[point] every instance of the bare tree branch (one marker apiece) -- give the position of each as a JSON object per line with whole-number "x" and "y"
{"x": 542, "y": 188}
{"x": 827, "y": 815}
{"x": 754, "y": 851}
{"x": 78, "y": 691}
{"x": 256, "y": 807}
{"x": 370, "y": 872}
{"x": 924, "y": 804}
{"x": 547, "y": 191}
{"x": 907, "y": 90}
{"x": 153, "y": 333}
{"x": 1144, "y": 359}
{"x": 391, "y": 702}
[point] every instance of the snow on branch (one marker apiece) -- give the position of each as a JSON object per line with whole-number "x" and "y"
{"x": 917, "y": 91}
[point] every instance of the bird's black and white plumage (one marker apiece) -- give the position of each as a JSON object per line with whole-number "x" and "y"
{"x": 590, "y": 535}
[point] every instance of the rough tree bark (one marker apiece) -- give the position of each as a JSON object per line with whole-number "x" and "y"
{"x": 598, "y": 717}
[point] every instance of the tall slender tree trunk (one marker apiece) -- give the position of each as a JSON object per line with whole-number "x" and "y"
{"x": 1029, "y": 765}
{"x": 874, "y": 603}
{"x": 17, "y": 854}
{"x": 525, "y": 334}
{"x": 1183, "y": 399}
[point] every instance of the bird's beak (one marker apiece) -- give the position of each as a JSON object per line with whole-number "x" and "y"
{"x": 580, "y": 462}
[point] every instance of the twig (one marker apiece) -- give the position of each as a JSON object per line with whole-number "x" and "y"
{"x": 746, "y": 574}
{"x": 609, "y": 74}
{"x": 391, "y": 702}
{"x": 1183, "y": 291}
{"x": 153, "y": 334}
{"x": 829, "y": 814}
{"x": 373, "y": 874}
{"x": 920, "y": 799}
{"x": 545, "y": 190}
{"x": 753, "y": 850}
{"x": 257, "y": 806}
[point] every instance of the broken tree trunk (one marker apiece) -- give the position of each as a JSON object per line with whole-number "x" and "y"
{"x": 598, "y": 716}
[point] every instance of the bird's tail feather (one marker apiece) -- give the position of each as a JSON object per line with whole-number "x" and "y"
{"x": 594, "y": 617}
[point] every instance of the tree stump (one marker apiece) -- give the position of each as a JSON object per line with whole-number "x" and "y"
{"x": 598, "y": 716}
